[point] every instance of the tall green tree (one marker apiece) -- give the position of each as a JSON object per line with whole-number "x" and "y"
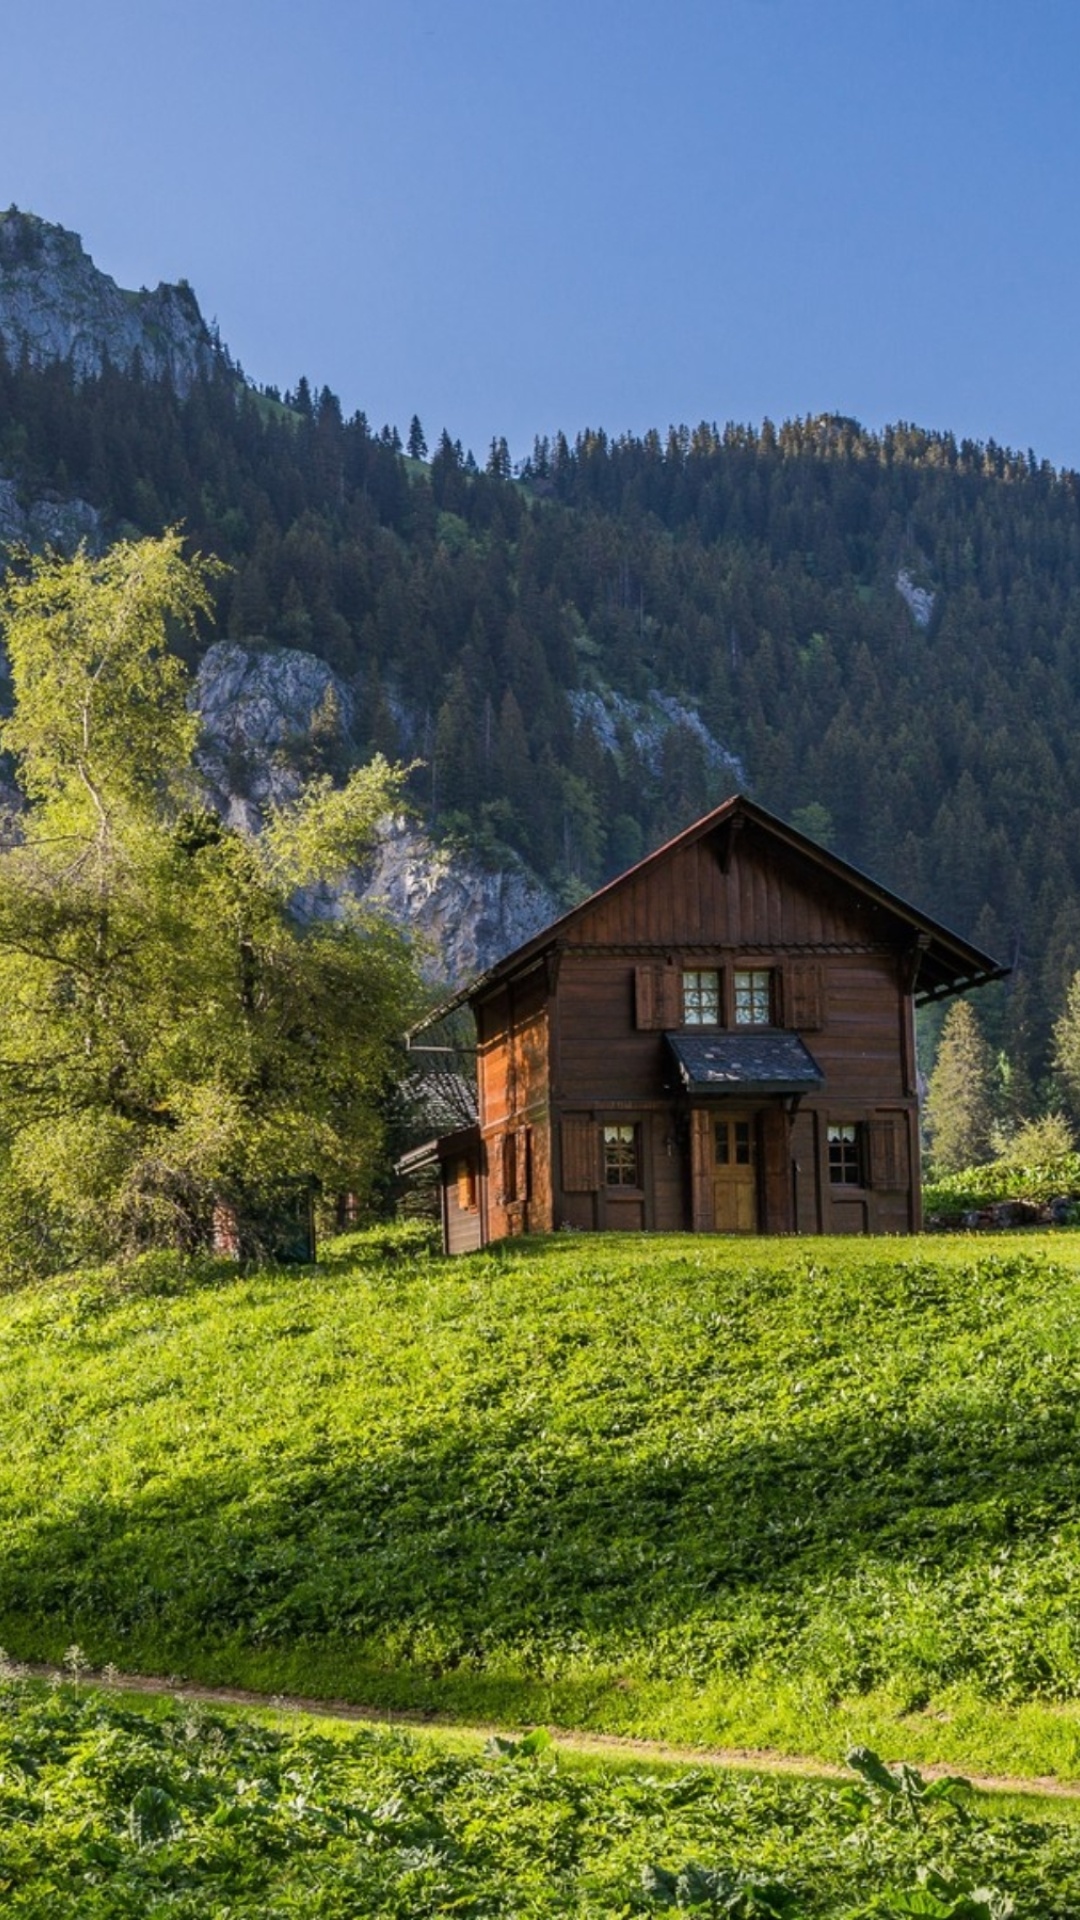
{"x": 1066, "y": 1056}
{"x": 178, "y": 1032}
{"x": 960, "y": 1097}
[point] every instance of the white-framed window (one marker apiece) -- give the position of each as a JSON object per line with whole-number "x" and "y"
{"x": 701, "y": 997}
{"x": 753, "y": 996}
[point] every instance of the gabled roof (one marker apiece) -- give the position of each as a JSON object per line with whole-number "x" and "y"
{"x": 946, "y": 963}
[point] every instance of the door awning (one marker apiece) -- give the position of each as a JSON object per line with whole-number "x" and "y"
{"x": 744, "y": 1063}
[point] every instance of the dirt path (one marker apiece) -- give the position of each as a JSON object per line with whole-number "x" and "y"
{"x": 618, "y": 1746}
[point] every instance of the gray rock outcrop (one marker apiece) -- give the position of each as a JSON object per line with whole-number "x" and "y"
{"x": 55, "y": 304}
{"x": 920, "y": 601}
{"x": 47, "y": 523}
{"x": 463, "y": 916}
{"x": 266, "y": 712}
{"x": 618, "y": 721}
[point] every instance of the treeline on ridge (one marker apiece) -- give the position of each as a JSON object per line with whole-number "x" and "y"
{"x": 752, "y": 573}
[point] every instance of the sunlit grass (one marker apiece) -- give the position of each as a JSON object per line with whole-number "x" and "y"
{"x": 797, "y": 1493}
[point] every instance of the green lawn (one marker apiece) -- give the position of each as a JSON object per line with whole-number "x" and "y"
{"x": 798, "y": 1493}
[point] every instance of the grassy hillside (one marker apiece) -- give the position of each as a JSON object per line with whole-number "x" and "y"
{"x": 799, "y": 1493}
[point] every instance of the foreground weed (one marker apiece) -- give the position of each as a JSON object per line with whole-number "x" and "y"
{"x": 110, "y": 1812}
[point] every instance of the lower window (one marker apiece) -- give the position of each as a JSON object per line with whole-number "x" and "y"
{"x": 846, "y": 1155}
{"x": 622, "y": 1158}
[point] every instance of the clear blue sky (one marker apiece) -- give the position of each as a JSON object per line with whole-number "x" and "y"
{"x": 512, "y": 218}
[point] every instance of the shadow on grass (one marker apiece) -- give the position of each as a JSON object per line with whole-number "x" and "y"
{"x": 499, "y": 1543}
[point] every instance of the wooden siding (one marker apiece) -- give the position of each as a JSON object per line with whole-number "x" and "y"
{"x": 769, "y": 896}
{"x": 576, "y": 1041}
{"x": 603, "y": 1052}
{"x": 513, "y": 1084}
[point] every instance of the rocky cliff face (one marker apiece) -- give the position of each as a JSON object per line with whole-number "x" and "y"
{"x": 47, "y": 523}
{"x": 55, "y": 304}
{"x": 269, "y": 716}
{"x": 647, "y": 725}
{"x": 463, "y": 917}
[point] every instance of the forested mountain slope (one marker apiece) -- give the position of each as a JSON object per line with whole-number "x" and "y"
{"x": 878, "y": 635}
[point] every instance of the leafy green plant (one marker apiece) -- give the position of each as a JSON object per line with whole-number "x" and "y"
{"x": 901, "y": 1792}
{"x": 938, "y": 1896}
{"x": 720, "y": 1891}
{"x": 1036, "y": 1181}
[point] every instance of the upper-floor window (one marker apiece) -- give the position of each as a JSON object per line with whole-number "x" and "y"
{"x": 753, "y": 996}
{"x": 701, "y": 997}
{"x": 622, "y": 1160}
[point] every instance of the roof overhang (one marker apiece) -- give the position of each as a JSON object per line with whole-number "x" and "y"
{"x": 751, "y": 1063}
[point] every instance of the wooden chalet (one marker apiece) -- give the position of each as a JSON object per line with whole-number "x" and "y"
{"x": 720, "y": 1040}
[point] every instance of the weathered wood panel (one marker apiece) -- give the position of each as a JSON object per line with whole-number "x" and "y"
{"x": 539, "y": 1210}
{"x": 804, "y": 1159}
{"x": 577, "y": 1210}
{"x": 580, "y": 1140}
{"x": 461, "y": 1206}
{"x": 701, "y": 1165}
{"x": 624, "y": 1213}
{"x": 770, "y": 896}
{"x": 848, "y": 1216}
{"x": 775, "y": 1152}
{"x": 670, "y": 1175}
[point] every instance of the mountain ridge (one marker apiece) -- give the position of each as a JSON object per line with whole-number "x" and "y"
{"x": 56, "y": 304}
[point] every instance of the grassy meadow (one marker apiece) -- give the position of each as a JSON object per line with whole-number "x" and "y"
{"x": 798, "y": 1494}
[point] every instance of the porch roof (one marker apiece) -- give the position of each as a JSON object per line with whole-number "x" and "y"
{"x": 748, "y": 1063}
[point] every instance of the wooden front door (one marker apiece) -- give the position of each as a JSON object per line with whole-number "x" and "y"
{"x": 734, "y": 1174}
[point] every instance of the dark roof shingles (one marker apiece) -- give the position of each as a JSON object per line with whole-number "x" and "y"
{"x": 750, "y": 1062}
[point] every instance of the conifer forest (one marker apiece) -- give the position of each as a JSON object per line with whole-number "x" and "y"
{"x": 882, "y": 631}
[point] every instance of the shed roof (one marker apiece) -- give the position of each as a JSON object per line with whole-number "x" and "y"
{"x": 943, "y": 962}
{"x": 749, "y": 1062}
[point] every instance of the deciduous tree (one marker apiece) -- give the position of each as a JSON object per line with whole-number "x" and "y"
{"x": 177, "y": 1031}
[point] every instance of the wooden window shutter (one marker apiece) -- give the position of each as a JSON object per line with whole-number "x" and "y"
{"x": 888, "y": 1153}
{"x": 646, "y": 1000}
{"x": 657, "y": 997}
{"x": 509, "y": 1169}
{"x": 701, "y": 1169}
{"x": 580, "y": 1138}
{"x": 804, "y": 996}
{"x": 523, "y": 1167}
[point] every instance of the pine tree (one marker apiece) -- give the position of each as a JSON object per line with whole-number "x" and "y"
{"x": 498, "y": 460}
{"x": 416, "y": 444}
{"x": 959, "y": 1101}
{"x": 1067, "y": 1045}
